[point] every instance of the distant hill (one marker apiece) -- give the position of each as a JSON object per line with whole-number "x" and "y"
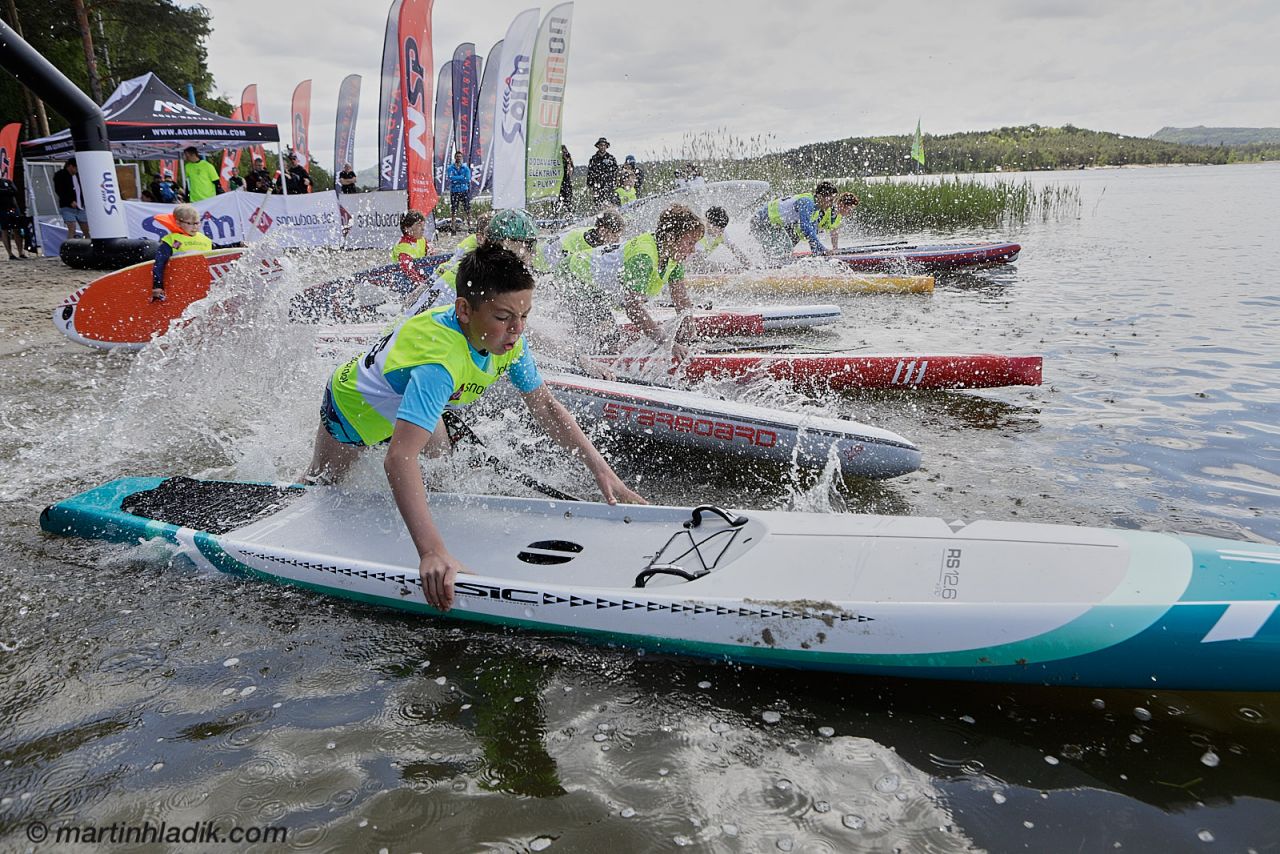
{"x": 1201, "y": 135}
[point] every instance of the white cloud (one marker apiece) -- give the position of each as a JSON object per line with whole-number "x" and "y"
{"x": 645, "y": 73}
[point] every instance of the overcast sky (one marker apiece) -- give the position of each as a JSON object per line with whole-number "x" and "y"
{"x": 647, "y": 72}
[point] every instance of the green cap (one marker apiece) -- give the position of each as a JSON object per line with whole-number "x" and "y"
{"x": 515, "y": 224}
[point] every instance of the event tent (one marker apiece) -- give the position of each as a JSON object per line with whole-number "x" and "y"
{"x": 146, "y": 120}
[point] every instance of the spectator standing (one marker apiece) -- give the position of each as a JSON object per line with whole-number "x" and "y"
{"x": 347, "y": 180}
{"x": 630, "y": 163}
{"x": 458, "y": 177}
{"x": 566, "y": 180}
{"x": 259, "y": 179}
{"x": 234, "y": 181}
{"x": 202, "y": 179}
{"x": 66, "y": 186}
{"x": 163, "y": 190}
{"x": 297, "y": 179}
{"x": 11, "y": 218}
{"x": 602, "y": 175}
{"x": 626, "y": 187}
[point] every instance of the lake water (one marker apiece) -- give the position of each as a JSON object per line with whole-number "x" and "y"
{"x": 136, "y": 692}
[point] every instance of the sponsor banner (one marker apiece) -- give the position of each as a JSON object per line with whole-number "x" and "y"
{"x": 511, "y": 111}
{"x": 9, "y": 149}
{"x": 100, "y": 193}
{"x": 249, "y": 112}
{"x": 415, "y": 98}
{"x": 230, "y": 158}
{"x": 300, "y": 120}
{"x": 344, "y": 134}
{"x": 443, "y": 119}
{"x": 547, "y": 80}
{"x": 220, "y": 218}
{"x": 390, "y": 121}
{"x": 371, "y": 220}
{"x": 286, "y": 221}
{"x": 482, "y": 139}
{"x": 466, "y": 84}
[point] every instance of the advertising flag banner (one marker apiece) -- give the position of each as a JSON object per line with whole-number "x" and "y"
{"x": 917, "y": 146}
{"x": 300, "y": 121}
{"x": 9, "y": 149}
{"x": 482, "y": 138}
{"x": 249, "y": 113}
{"x": 443, "y": 122}
{"x": 466, "y": 85}
{"x": 390, "y": 120}
{"x": 546, "y": 99}
{"x": 344, "y": 128}
{"x": 230, "y": 157}
{"x": 511, "y": 110}
{"x": 415, "y": 99}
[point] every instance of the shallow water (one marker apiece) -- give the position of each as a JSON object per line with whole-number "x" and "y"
{"x": 138, "y": 692}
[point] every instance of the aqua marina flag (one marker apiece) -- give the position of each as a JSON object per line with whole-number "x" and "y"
{"x": 917, "y": 146}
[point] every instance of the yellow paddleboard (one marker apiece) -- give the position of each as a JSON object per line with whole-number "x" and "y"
{"x": 778, "y": 283}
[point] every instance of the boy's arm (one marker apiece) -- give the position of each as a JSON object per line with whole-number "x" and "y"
{"x": 436, "y": 567}
{"x": 561, "y": 426}
{"x": 806, "y": 209}
{"x": 163, "y": 253}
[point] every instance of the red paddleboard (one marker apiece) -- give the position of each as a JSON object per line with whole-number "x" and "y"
{"x": 741, "y": 322}
{"x": 116, "y": 310}
{"x": 842, "y": 371}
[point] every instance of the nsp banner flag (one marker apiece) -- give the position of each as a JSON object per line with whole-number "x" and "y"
{"x": 249, "y": 112}
{"x": 511, "y": 111}
{"x": 415, "y": 99}
{"x": 230, "y": 157}
{"x": 300, "y": 120}
{"x": 344, "y": 128}
{"x": 547, "y": 82}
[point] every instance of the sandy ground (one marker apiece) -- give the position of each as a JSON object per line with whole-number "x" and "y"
{"x": 29, "y": 292}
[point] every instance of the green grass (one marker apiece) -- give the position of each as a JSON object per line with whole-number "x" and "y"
{"x": 954, "y": 203}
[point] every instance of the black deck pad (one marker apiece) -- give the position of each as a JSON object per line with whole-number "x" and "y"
{"x": 209, "y": 505}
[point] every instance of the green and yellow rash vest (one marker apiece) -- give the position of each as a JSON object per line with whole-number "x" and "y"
{"x": 369, "y": 390}
{"x": 557, "y": 248}
{"x": 181, "y": 242}
{"x": 788, "y": 211}
{"x": 626, "y": 194}
{"x": 618, "y": 269}
{"x": 709, "y": 244}
{"x": 415, "y": 249}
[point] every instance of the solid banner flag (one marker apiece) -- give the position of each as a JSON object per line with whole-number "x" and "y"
{"x": 415, "y": 99}
{"x": 443, "y": 123}
{"x": 390, "y": 119}
{"x": 344, "y": 129}
{"x": 482, "y": 139}
{"x": 917, "y": 146}
{"x": 249, "y": 112}
{"x": 547, "y": 81}
{"x": 511, "y": 111}
{"x": 301, "y": 122}
{"x": 9, "y": 148}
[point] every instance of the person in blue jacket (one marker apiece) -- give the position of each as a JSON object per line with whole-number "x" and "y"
{"x": 782, "y": 223}
{"x": 458, "y": 177}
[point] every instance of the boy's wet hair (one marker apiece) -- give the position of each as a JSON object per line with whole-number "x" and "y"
{"x": 410, "y": 218}
{"x": 676, "y": 222}
{"x": 489, "y": 272}
{"x": 825, "y": 188}
{"x": 847, "y": 198}
{"x": 717, "y": 216}
{"x": 609, "y": 221}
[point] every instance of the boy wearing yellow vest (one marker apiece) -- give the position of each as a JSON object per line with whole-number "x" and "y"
{"x": 447, "y": 357}
{"x": 184, "y": 236}
{"x": 782, "y": 223}
{"x": 411, "y": 247}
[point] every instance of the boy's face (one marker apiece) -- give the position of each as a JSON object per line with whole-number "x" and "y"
{"x": 495, "y": 325}
{"x": 685, "y": 246}
{"x": 844, "y": 209}
{"x": 418, "y": 229}
{"x": 189, "y": 224}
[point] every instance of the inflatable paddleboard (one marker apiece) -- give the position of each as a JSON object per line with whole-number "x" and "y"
{"x": 354, "y": 298}
{"x": 116, "y": 310}
{"x": 728, "y": 322}
{"x": 704, "y": 423}
{"x": 838, "y": 371}
{"x": 801, "y": 283}
{"x": 989, "y": 601}
{"x": 947, "y": 256}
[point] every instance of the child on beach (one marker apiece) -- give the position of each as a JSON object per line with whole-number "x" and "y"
{"x": 606, "y": 229}
{"x": 398, "y": 391}
{"x": 184, "y": 236}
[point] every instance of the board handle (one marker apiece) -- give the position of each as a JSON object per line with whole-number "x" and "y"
{"x": 733, "y": 519}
